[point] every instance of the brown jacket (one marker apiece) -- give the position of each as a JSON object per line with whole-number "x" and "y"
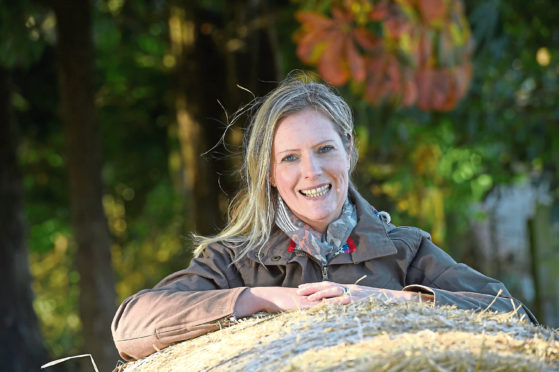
{"x": 188, "y": 303}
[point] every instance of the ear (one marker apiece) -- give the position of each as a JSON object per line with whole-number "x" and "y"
{"x": 271, "y": 179}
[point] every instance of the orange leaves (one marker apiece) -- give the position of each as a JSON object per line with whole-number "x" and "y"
{"x": 331, "y": 43}
{"x": 404, "y": 52}
{"x": 441, "y": 89}
{"x": 388, "y": 80}
{"x": 432, "y": 10}
{"x": 356, "y": 63}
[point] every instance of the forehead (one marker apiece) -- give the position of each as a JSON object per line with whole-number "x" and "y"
{"x": 306, "y": 127}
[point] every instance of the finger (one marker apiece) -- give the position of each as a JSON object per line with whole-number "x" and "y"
{"x": 342, "y": 300}
{"x": 322, "y": 284}
{"x": 310, "y": 288}
{"x": 303, "y": 305}
{"x": 336, "y": 291}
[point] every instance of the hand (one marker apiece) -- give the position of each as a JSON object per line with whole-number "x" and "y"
{"x": 278, "y": 299}
{"x": 348, "y": 293}
{"x": 272, "y": 300}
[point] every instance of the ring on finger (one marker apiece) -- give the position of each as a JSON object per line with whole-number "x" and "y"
{"x": 346, "y": 291}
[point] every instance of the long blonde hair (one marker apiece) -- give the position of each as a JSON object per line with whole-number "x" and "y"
{"x": 252, "y": 211}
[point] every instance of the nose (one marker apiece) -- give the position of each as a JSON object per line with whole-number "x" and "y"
{"x": 311, "y": 166}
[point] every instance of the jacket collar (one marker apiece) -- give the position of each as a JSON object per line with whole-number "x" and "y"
{"x": 369, "y": 236}
{"x": 275, "y": 251}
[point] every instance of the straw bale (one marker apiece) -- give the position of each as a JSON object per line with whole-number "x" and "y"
{"x": 366, "y": 336}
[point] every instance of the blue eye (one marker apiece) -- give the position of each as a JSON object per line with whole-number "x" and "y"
{"x": 289, "y": 158}
{"x": 325, "y": 149}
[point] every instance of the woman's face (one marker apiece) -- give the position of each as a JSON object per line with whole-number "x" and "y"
{"x": 310, "y": 167}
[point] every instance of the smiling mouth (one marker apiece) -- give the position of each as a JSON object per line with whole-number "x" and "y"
{"x": 317, "y": 192}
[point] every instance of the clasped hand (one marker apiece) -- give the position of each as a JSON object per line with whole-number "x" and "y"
{"x": 347, "y": 293}
{"x": 278, "y": 299}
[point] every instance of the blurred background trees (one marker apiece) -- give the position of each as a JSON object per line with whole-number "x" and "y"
{"x": 456, "y": 117}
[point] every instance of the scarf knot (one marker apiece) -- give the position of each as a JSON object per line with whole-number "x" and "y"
{"x": 323, "y": 247}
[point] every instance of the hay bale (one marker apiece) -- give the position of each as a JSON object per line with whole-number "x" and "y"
{"x": 366, "y": 336}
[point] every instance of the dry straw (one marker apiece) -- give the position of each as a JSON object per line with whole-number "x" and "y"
{"x": 366, "y": 336}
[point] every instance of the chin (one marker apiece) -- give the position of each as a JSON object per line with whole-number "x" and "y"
{"x": 319, "y": 218}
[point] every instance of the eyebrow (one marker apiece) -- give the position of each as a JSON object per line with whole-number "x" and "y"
{"x": 318, "y": 144}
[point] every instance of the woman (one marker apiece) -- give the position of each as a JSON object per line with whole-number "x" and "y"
{"x": 299, "y": 234}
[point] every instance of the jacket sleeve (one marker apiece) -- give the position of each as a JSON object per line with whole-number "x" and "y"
{"x": 184, "y": 305}
{"x": 433, "y": 271}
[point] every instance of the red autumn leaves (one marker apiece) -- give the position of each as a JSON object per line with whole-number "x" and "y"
{"x": 419, "y": 53}
{"x": 332, "y": 43}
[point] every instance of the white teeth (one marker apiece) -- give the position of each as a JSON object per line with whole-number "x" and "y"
{"x": 319, "y": 191}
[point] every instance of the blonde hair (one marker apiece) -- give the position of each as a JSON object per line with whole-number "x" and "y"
{"x": 252, "y": 211}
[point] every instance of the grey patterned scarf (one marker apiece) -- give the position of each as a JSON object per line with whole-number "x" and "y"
{"x": 323, "y": 247}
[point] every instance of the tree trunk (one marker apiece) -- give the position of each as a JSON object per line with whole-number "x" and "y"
{"x": 198, "y": 85}
{"x": 22, "y": 347}
{"x": 213, "y": 55}
{"x": 93, "y": 259}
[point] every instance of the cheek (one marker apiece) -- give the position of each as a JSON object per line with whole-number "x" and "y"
{"x": 341, "y": 177}
{"x": 285, "y": 178}
{"x": 341, "y": 170}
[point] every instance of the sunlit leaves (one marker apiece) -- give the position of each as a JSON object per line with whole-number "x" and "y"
{"x": 332, "y": 44}
{"x": 419, "y": 55}
{"x": 433, "y": 11}
{"x": 417, "y": 189}
{"x": 154, "y": 239}
{"x": 55, "y": 286}
{"x": 441, "y": 89}
{"x": 543, "y": 56}
{"x": 22, "y": 31}
{"x": 388, "y": 79}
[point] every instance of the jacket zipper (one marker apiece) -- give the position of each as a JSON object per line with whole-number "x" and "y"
{"x": 323, "y": 266}
{"x": 324, "y": 272}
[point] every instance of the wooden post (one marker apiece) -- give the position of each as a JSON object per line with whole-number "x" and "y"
{"x": 534, "y": 268}
{"x": 548, "y": 265}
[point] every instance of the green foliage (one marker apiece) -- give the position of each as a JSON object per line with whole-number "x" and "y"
{"x": 152, "y": 244}
{"x": 146, "y": 213}
{"x": 56, "y": 290}
{"x": 23, "y": 29}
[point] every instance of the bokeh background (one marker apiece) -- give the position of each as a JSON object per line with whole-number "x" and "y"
{"x": 120, "y": 135}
